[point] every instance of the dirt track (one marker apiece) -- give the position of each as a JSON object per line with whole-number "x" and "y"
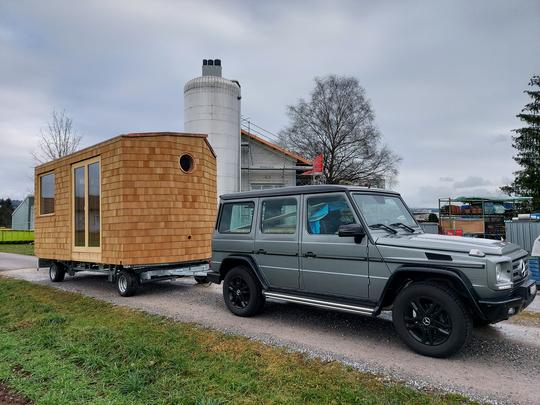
{"x": 501, "y": 364}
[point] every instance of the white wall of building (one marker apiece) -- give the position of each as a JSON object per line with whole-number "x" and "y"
{"x": 255, "y": 155}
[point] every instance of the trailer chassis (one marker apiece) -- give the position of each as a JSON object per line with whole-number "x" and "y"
{"x": 128, "y": 278}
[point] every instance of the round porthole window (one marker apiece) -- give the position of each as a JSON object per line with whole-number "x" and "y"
{"x": 186, "y": 163}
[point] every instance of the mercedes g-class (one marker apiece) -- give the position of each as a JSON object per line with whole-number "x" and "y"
{"x": 360, "y": 250}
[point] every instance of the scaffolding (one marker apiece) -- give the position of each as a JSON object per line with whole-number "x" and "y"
{"x": 255, "y": 133}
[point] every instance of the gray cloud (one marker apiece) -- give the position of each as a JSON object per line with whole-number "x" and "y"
{"x": 472, "y": 181}
{"x": 445, "y": 79}
{"x": 501, "y": 138}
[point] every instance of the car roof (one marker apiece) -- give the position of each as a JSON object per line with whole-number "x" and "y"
{"x": 295, "y": 190}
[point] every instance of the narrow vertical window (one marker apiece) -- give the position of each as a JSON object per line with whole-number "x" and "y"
{"x": 79, "y": 211}
{"x": 87, "y": 205}
{"x": 93, "y": 205}
{"x": 46, "y": 194}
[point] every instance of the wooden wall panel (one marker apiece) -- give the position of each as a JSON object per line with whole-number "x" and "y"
{"x": 151, "y": 211}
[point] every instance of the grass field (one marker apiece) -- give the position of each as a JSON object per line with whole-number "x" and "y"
{"x": 20, "y": 248}
{"x": 63, "y": 348}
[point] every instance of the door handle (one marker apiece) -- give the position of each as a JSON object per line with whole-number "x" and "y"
{"x": 261, "y": 252}
{"x": 310, "y": 254}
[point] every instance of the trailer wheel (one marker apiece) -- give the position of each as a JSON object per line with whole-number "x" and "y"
{"x": 57, "y": 272}
{"x": 127, "y": 283}
{"x": 201, "y": 279}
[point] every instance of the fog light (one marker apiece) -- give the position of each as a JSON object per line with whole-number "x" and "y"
{"x": 532, "y": 289}
{"x": 511, "y": 311}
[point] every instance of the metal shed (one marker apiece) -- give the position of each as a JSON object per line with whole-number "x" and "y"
{"x": 522, "y": 233}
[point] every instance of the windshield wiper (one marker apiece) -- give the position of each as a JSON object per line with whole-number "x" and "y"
{"x": 383, "y": 226}
{"x": 402, "y": 225}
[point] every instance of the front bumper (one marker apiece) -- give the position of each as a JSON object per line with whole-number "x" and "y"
{"x": 515, "y": 302}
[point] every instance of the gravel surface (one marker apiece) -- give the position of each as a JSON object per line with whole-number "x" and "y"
{"x": 501, "y": 364}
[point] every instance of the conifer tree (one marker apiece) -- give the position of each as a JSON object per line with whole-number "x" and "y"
{"x": 527, "y": 143}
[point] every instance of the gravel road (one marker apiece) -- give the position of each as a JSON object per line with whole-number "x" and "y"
{"x": 501, "y": 364}
{"x": 9, "y": 261}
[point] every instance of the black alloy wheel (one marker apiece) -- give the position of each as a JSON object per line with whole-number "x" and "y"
{"x": 432, "y": 319}
{"x": 242, "y": 292}
{"x": 427, "y": 321}
{"x": 239, "y": 294}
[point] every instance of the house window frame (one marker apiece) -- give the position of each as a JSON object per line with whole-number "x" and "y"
{"x": 41, "y": 214}
{"x": 86, "y": 248}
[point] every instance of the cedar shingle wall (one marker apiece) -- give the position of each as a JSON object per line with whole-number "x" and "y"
{"x": 151, "y": 212}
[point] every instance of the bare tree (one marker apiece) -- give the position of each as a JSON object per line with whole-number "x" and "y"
{"x": 57, "y": 139}
{"x": 338, "y": 122}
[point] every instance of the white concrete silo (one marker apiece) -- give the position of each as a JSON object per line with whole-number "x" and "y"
{"x": 212, "y": 106}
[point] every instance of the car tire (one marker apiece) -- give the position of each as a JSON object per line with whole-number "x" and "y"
{"x": 431, "y": 319}
{"x": 201, "y": 279}
{"x": 127, "y": 283}
{"x": 242, "y": 292}
{"x": 57, "y": 272}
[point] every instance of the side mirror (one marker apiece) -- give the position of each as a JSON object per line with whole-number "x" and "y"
{"x": 353, "y": 230}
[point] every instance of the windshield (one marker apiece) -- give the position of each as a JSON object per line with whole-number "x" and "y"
{"x": 384, "y": 209}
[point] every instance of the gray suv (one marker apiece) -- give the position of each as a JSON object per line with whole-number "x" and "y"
{"x": 360, "y": 250}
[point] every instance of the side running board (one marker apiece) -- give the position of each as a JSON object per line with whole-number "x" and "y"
{"x": 320, "y": 303}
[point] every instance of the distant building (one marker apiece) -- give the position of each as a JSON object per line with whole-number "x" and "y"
{"x": 267, "y": 165}
{"x": 422, "y": 214}
{"x": 23, "y": 216}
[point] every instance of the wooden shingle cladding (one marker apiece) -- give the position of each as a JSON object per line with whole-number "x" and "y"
{"x": 151, "y": 211}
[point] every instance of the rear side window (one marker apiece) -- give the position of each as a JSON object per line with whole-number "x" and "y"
{"x": 279, "y": 216}
{"x": 327, "y": 213}
{"x": 236, "y": 217}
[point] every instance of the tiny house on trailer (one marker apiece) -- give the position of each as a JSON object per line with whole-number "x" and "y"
{"x": 140, "y": 207}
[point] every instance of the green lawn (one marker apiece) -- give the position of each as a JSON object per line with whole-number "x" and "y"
{"x": 20, "y": 248}
{"x": 63, "y": 348}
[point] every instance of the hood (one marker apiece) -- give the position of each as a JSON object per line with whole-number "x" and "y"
{"x": 449, "y": 243}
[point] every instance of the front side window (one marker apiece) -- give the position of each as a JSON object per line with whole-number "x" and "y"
{"x": 279, "y": 216}
{"x": 383, "y": 209}
{"x": 46, "y": 194}
{"x": 236, "y": 217}
{"x": 325, "y": 214}
{"x": 86, "y": 204}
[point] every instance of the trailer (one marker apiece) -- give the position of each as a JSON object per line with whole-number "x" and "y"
{"x": 138, "y": 207}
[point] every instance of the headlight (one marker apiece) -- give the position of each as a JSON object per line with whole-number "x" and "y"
{"x": 503, "y": 275}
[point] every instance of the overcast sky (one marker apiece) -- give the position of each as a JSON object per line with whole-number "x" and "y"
{"x": 445, "y": 78}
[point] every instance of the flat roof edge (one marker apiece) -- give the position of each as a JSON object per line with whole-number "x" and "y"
{"x": 122, "y": 136}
